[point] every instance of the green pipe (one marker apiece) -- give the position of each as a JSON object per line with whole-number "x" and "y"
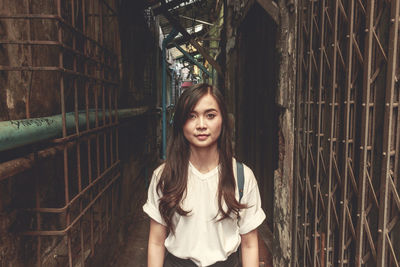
{"x": 18, "y": 133}
{"x": 192, "y": 59}
{"x": 166, "y": 40}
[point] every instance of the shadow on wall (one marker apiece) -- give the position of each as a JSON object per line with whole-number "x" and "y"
{"x": 257, "y": 114}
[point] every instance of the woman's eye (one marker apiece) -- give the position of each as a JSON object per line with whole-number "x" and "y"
{"x": 211, "y": 116}
{"x": 192, "y": 116}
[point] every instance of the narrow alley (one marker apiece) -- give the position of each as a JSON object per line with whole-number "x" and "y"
{"x": 88, "y": 94}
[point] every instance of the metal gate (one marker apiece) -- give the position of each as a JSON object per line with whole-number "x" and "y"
{"x": 347, "y": 134}
{"x": 83, "y": 49}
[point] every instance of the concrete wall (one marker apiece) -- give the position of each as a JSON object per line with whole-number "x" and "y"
{"x": 259, "y": 85}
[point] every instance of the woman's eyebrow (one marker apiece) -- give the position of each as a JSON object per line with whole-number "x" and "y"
{"x": 206, "y": 111}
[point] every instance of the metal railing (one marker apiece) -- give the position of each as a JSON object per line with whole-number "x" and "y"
{"x": 347, "y": 134}
{"x": 87, "y": 51}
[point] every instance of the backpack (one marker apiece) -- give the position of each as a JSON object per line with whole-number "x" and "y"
{"x": 240, "y": 178}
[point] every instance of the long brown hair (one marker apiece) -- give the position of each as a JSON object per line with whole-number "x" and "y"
{"x": 173, "y": 180}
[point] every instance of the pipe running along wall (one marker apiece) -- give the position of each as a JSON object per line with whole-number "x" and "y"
{"x": 166, "y": 40}
{"x": 18, "y": 133}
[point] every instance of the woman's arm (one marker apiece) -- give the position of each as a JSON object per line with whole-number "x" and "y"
{"x": 156, "y": 249}
{"x": 250, "y": 249}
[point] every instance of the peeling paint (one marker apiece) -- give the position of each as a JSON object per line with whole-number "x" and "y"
{"x": 10, "y": 99}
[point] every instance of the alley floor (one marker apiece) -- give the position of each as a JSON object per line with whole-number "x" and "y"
{"x": 134, "y": 253}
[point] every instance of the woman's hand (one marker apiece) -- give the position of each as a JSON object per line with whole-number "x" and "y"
{"x": 156, "y": 248}
{"x": 250, "y": 249}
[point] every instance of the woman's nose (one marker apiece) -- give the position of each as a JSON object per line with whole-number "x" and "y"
{"x": 200, "y": 123}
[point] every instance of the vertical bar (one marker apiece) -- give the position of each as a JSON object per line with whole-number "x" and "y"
{"x": 28, "y": 93}
{"x": 104, "y": 122}
{"x": 110, "y": 119}
{"x": 102, "y": 72}
{"x": 307, "y": 190}
{"x": 78, "y": 142}
{"x": 365, "y": 132}
{"x": 346, "y": 150}
{"x": 297, "y": 169}
{"x": 319, "y": 134}
{"x": 332, "y": 140}
{"x": 116, "y": 129}
{"x": 64, "y": 134}
{"x": 99, "y": 65}
{"x": 38, "y": 215}
{"x": 89, "y": 140}
{"x": 387, "y": 138}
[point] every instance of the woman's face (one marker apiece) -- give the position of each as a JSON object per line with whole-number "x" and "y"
{"x": 203, "y": 126}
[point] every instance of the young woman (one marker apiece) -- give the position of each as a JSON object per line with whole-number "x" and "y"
{"x": 193, "y": 199}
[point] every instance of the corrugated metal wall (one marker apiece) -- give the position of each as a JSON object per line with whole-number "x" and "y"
{"x": 347, "y": 134}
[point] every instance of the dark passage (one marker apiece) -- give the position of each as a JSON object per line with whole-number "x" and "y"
{"x": 257, "y": 124}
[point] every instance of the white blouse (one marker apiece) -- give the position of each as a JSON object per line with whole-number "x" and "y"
{"x": 199, "y": 236}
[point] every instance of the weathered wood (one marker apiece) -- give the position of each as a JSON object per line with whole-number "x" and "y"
{"x": 271, "y": 8}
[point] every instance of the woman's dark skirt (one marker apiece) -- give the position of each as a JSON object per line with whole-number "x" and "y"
{"x": 172, "y": 261}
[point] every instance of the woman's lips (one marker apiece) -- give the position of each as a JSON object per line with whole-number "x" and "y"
{"x": 202, "y": 137}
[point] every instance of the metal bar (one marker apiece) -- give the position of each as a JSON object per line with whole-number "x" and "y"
{"x": 347, "y": 113}
{"x": 52, "y": 68}
{"x": 166, "y": 40}
{"x": 63, "y": 22}
{"x": 296, "y": 217}
{"x": 77, "y": 218}
{"x": 330, "y": 226}
{"x": 384, "y": 207}
{"x": 79, "y": 196}
{"x": 175, "y": 23}
{"x": 64, "y": 133}
{"x": 110, "y": 122}
{"x": 62, "y": 70}
{"x": 365, "y": 132}
{"x": 29, "y": 16}
{"x": 192, "y": 59}
{"x": 321, "y": 48}
{"x": 306, "y": 222}
{"x": 38, "y": 217}
{"x": 78, "y": 142}
{"x": 27, "y": 112}
{"x": 116, "y": 130}
{"x": 89, "y": 147}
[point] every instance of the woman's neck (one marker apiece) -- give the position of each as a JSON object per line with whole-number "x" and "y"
{"x": 204, "y": 160}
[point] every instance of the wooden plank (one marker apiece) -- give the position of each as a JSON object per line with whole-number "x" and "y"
{"x": 271, "y": 8}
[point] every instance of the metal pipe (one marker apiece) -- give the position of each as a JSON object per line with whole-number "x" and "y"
{"x": 166, "y": 40}
{"x": 17, "y": 133}
{"x": 77, "y": 218}
{"x": 192, "y": 59}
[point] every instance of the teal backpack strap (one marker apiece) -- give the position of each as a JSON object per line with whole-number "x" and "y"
{"x": 240, "y": 178}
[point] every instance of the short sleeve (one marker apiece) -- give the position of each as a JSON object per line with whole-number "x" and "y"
{"x": 253, "y": 216}
{"x": 151, "y": 207}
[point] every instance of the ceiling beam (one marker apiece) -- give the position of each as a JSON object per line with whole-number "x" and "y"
{"x": 181, "y": 40}
{"x": 167, "y": 6}
{"x": 271, "y": 8}
{"x": 176, "y": 24}
{"x": 182, "y": 57}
